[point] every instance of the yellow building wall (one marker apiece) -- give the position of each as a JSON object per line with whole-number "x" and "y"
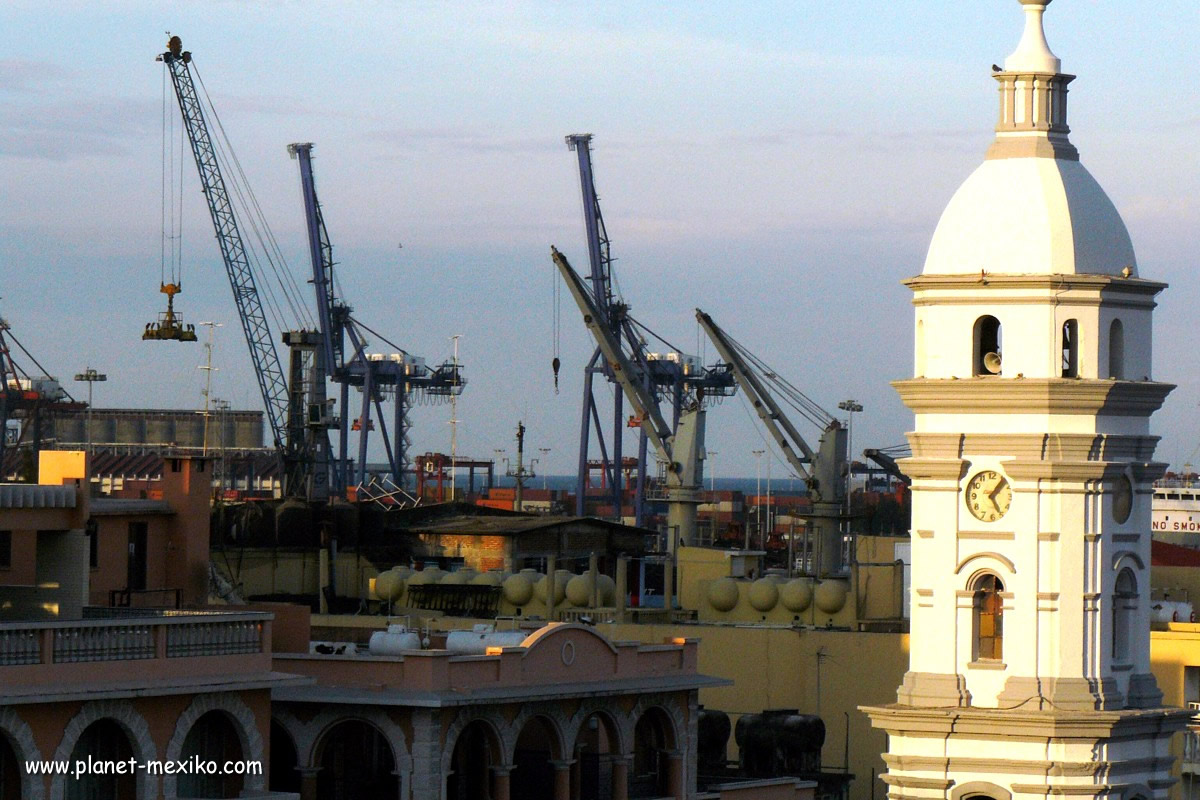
{"x": 57, "y": 466}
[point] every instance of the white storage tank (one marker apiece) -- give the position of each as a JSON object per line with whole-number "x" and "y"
{"x": 1172, "y": 611}
{"x": 394, "y": 641}
{"x": 477, "y": 640}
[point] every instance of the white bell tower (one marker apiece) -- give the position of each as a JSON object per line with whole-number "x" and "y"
{"x": 1032, "y": 468}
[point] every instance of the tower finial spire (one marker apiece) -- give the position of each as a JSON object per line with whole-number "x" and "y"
{"x": 1033, "y": 53}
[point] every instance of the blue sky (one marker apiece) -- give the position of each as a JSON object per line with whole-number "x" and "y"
{"x": 781, "y": 165}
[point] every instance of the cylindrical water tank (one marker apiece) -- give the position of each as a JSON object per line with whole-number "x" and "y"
{"x": 518, "y": 589}
{"x": 456, "y": 578}
{"x": 723, "y": 594}
{"x": 608, "y": 589}
{"x": 489, "y": 578}
{"x": 427, "y": 575}
{"x": 764, "y": 594}
{"x": 389, "y": 586}
{"x": 797, "y": 594}
{"x": 477, "y": 642}
{"x": 394, "y": 641}
{"x": 830, "y": 596}
{"x": 579, "y": 591}
{"x": 561, "y": 577}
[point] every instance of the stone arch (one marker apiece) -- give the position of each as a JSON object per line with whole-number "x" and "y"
{"x": 355, "y": 757}
{"x": 308, "y": 753}
{"x": 243, "y": 722}
{"x": 1138, "y": 791}
{"x": 130, "y": 721}
{"x": 668, "y": 705}
{"x": 1127, "y": 558}
{"x": 554, "y": 718}
{"x": 979, "y": 789}
{"x": 20, "y": 737}
{"x": 498, "y": 736}
{"x": 990, "y": 561}
{"x": 575, "y": 724}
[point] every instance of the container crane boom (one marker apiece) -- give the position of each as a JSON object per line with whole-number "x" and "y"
{"x": 889, "y": 465}
{"x": 267, "y": 369}
{"x": 683, "y": 450}
{"x": 823, "y": 470}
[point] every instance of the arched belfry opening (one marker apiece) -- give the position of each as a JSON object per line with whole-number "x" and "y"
{"x": 988, "y": 341}
{"x": 1070, "y": 349}
{"x": 1116, "y": 350}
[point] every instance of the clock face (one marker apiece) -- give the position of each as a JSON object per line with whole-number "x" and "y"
{"x": 988, "y": 495}
{"x": 1122, "y": 503}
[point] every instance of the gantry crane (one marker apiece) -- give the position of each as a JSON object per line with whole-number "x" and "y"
{"x": 672, "y": 375}
{"x": 823, "y": 470}
{"x": 400, "y": 375}
{"x": 27, "y": 396}
{"x": 682, "y": 448}
{"x": 288, "y": 438}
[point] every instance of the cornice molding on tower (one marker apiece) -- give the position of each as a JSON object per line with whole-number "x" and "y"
{"x": 1070, "y": 471}
{"x": 1031, "y": 147}
{"x": 1052, "y": 446}
{"x": 1055, "y": 282}
{"x": 934, "y": 469}
{"x": 996, "y": 395}
{"x": 1027, "y": 724}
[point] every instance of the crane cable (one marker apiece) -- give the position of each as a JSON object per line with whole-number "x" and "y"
{"x": 252, "y": 213}
{"x": 556, "y": 324}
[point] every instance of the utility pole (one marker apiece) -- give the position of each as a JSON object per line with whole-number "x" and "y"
{"x": 454, "y": 426}
{"x": 543, "y": 451}
{"x": 520, "y": 473}
{"x": 221, "y": 406}
{"x": 208, "y": 371}
{"x": 90, "y": 376}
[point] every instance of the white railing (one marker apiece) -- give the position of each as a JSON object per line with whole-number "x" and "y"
{"x": 21, "y": 646}
{"x": 214, "y": 638}
{"x": 88, "y": 643}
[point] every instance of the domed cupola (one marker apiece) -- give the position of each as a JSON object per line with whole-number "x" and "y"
{"x": 1031, "y": 207}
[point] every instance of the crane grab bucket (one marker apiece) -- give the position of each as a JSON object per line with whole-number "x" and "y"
{"x": 169, "y": 326}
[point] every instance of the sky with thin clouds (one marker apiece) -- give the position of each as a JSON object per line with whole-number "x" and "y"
{"x": 781, "y": 165}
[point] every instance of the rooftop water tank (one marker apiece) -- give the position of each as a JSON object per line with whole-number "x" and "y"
{"x": 479, "y": 639}
{"x": 394, "y": 641}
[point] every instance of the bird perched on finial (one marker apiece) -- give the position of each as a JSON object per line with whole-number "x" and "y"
{"x": 996, "y": 68}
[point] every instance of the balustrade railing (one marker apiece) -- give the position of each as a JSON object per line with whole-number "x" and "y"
{"x": 1191, "y": 750}
{"x": 88, "y": 643}
{"x": 132, "y": 637}
{"x": 21, "y": 646}
{"x": 210, "y": 638}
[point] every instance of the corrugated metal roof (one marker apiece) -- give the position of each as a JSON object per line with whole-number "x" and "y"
{"x": 29, "y": 495}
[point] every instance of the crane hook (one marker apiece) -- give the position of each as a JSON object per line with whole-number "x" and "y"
{"x": 554, "y": 365}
